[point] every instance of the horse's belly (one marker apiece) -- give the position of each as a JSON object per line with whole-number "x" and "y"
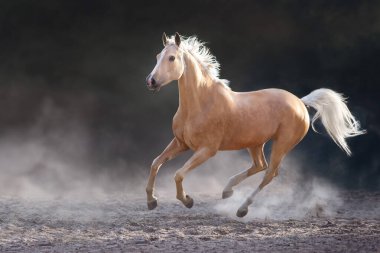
{"x": 234, "y": 137}
{"x": 250, "y": 127}
{"x": 243, "y": 137}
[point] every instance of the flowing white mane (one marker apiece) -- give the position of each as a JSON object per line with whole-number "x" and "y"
{"x": 203, "y": 55}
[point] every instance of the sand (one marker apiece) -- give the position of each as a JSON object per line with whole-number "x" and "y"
{"x": 122, "y": 223}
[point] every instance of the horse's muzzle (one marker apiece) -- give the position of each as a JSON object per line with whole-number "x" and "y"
{"x": 151, "y": 84}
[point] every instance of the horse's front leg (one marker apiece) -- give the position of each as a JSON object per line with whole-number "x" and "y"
{"x": 174, "y": 148}
{"x": 200, "y": 156}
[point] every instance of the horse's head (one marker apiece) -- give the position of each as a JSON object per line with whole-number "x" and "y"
{"x": 170, "y": 65}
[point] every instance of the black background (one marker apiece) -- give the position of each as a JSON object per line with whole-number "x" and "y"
{"x": 82, "y": 64}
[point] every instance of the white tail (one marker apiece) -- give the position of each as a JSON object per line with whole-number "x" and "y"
{"x": 335, "y": 116}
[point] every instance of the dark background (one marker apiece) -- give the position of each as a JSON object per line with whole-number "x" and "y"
{"x": 70, "y": 67}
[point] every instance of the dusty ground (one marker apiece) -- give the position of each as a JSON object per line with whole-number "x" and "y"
{"x": 123, "y": 224}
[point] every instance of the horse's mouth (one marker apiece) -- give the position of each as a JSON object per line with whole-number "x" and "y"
{"x": 154, "y": 89}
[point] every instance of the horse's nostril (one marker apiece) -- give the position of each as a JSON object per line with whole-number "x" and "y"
{"x": 152, "y": 81}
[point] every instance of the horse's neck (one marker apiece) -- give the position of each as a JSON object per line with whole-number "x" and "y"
{"x": 194, "y": 88}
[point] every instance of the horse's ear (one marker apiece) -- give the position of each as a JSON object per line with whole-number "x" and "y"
{"x": 177, "y": 39}
{"x": 164, "y": 39}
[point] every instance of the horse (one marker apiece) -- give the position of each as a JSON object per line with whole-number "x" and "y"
{"x": 212, "y": 117}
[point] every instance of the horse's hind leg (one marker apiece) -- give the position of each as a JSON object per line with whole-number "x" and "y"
{"x": 279, "y": 150}
{"x": 259, "y": 164}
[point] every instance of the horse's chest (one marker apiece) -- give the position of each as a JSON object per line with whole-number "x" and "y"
{"x": 184, "y": 131}
{"x": 195, "y": 131}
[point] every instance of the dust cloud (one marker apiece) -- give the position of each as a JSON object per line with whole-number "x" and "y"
{"x": 291, "y": 195}
{"x": 52, "y": 159}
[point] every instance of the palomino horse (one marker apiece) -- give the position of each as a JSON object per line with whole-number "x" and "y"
{"x": 212, "y": 117}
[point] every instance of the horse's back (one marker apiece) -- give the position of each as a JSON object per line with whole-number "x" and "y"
{"x": 279, "y": 103}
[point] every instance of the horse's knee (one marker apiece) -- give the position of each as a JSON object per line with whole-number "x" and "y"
{"x": 155, "y": 164}
{"x": 178, "y": 177}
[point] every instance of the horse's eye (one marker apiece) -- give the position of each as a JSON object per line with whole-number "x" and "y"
{"x": 171, "y": 58}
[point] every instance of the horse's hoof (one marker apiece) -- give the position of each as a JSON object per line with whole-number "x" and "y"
{"x": 152, "y": 204}
{"x": 227, "y": 194}
{"x": 242, "y": 212}
{"x": 189, "y": 202}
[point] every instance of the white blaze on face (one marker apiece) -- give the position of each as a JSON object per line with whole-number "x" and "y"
{"x": 167, "y": 70}
{"x": 156, "y": 69}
